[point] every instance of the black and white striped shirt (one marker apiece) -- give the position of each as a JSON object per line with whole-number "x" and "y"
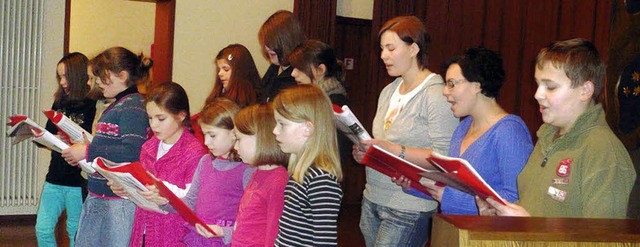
{"x": 310, "y": 211}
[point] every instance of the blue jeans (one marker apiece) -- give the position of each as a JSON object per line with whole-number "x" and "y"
{"x": 384, "y": 226}
{"x": 54, "y": 199}
{"x": 105, "y": 222}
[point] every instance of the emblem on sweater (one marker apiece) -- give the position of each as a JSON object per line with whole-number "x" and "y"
{"x": 557, "y": 194}
{"x": 564, "y": 167}
{"x": 561, "y": 181}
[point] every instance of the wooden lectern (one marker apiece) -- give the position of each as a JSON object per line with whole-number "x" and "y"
{"x": 458, "y": 230}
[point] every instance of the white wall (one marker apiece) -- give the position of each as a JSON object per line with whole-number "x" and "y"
{"x": 361, "y": 9}
{"x": 98, "y": 25}
{"x": 204, "y": 27}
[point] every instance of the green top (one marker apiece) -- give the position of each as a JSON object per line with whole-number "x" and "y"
{"x": 588, "y": 170}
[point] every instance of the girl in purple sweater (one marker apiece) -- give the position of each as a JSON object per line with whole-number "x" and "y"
{"x": 263, "y": 199}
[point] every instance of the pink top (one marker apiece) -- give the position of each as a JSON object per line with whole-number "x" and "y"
{"x": 260, "y": 208}
{"x": 176, "y": 167}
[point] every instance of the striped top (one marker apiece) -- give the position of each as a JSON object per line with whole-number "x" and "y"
{"x": 310, "y": 211}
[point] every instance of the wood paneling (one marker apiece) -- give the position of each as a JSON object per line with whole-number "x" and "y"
{"x": 162, "y": 53}
{"x": 459, "y": 230}
{"x": 318, "y": 18}
{"x": 350, "y": 33}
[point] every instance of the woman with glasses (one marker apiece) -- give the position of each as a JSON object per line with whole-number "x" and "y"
{"x": 412, "y": 119}
{"x": 495, "y": 143}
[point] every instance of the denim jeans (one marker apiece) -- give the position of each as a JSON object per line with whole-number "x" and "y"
{"x": 105, "y": 222}
{"x": 384, "y": 226}
{"x": 54, "y": 199}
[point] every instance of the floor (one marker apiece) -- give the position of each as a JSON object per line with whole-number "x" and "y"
{"x": 19, "y": 230}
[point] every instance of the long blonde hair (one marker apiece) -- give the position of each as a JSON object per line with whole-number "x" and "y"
{"x": 308, "y": 103}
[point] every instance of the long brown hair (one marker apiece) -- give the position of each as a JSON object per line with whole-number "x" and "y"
{"x": 244, "y": 76}
{"x": 282, "y": 33}
{"x": 171, "y": 97}
{"x": 313, "y": 53}
{"x": 75, "y": 66}
{"x": 118, "y": 59}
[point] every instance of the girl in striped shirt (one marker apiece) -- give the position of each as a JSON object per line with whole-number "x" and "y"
{"x": 305, "y": 130}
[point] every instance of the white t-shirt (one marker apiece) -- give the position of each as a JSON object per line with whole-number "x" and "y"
{"x": 398, "y": 101}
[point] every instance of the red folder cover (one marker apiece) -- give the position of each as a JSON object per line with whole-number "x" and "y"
{"x": 134, "y": 168}
{"x": 393, "y": 166}
{"x": 459, "y": 174}
{"x": 187, "y": 214}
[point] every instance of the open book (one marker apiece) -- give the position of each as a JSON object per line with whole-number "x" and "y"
{"x": 393, "y": 166}
{"x": 347, "y": 123}
{"x": 133, "y": 177}
{"x": 459, "y": 174}
{"x": 23, "y": 128}
{"x": 68, "y": 127}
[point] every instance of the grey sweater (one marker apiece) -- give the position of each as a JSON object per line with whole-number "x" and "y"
{"x": 426, "y": 121}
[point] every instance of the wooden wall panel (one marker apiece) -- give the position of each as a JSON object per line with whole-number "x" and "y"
{"x": 510, "y": 42}
{"x": 350, "y": 34}
{"x": 162, "y": 53}
{"x": 318, "y": 18}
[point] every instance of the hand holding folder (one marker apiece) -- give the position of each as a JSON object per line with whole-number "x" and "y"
{"x": 133, "y": 178}
{"x": 454, "y": 172}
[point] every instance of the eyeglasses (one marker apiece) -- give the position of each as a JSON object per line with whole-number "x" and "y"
{"x": 451, "y": 83}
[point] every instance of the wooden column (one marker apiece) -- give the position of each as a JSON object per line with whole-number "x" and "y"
{"x": 162, "y": 52}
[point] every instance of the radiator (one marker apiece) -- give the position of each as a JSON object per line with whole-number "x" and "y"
{"x": 20, "y": 76}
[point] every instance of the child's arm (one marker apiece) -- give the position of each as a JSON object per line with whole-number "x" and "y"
{"x": 324, "y": 195}
{"x": 180, "y": 192}
{"x": 192, "y": 193}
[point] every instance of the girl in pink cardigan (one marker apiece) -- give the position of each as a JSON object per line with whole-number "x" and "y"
{"x": 172, "y": 155}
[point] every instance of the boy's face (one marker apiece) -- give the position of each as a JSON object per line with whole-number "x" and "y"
{"x": 560, "y": 104}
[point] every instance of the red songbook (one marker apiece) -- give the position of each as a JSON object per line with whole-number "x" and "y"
{"x": 68, "y": 128}
{"x": 459, "y": 174}
{"x": 187, "y": 214}
{"x": 134, "y": 168}
{"x": 393, "y": 166}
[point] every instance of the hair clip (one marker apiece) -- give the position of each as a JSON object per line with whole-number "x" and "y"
{"x": 230, "y": 57}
